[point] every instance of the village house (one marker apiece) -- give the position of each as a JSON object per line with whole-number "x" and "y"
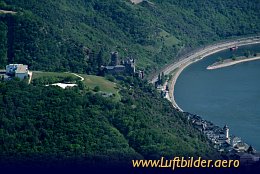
{"x": 223, "y": 142}
{"x": 17, "y": 70}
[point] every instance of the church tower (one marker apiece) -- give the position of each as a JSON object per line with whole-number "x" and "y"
{"x": 226, "y": 130}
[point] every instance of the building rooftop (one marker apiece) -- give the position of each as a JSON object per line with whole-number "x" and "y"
{"x": 21, "y": 69}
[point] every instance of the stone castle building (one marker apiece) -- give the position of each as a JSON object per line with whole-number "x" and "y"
{"x": 116, "y": 66}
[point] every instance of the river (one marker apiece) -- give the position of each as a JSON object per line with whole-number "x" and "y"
{"x": 229, "y": 95}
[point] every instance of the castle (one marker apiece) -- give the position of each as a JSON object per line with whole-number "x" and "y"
{"x": 125, "y": 66}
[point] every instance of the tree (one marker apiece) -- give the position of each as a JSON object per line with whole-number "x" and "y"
{"x": 159, "y": 78}
{"x": 163, "y": 78}
{"x": 100, "y": 58}
{"x": 96, "y": 89}
{"x": 3, "y": 44}
{"x": 110, "y": 78}
{"x": 247, "y": 54}
{"x": 81, "y": 85}
{"x": 250, "y": 149}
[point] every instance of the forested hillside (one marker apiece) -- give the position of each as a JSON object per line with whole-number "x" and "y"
{"x": 78, "y": 35}
{"x": 49, "y": 124}
{"x": 45, "y": 124}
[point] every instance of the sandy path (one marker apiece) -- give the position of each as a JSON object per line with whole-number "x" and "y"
{"x": 7, "y": 12}
{"x": 30, "y": 77}
{"x": 81, "y": 78}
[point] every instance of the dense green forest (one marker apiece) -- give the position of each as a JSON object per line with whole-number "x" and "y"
{"x": 78, "y": 35}
{"x": 43, "y": 124}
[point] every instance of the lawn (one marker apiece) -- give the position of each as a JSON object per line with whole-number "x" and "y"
{"x": 105, "y": 85}
{"x": 90, "y": 81}
{"x": 38, "y": 74}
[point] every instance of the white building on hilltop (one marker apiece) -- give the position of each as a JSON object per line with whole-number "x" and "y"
{"x": 18, "y": 70}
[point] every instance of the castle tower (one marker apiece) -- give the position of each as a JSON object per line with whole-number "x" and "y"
{"x": 114, "y": 59}
{"x": 226, "y": 129}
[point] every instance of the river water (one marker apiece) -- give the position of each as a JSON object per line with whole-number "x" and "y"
{"x": 229, "y": 95}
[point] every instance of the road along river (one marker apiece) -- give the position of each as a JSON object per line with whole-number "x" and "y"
{"x": 192, "y": 57}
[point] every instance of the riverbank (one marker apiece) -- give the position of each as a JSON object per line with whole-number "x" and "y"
{"x": 176, "y": 68}
{"x": 230, "y": 62}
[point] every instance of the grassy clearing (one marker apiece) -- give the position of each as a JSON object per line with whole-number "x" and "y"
{"x": 105, "y": 85}
{"x": 163, "y": 39}
{"x": 90, "y": 81}
{"x": 168, "y": 39}
{"x": 38, "y": 74}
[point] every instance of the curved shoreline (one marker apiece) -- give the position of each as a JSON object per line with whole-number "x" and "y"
{"x": 187, "y": 60}
{"x": 226, "y": 64}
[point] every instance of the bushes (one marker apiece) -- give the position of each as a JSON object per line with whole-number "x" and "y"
{"x": 96, "y": 89}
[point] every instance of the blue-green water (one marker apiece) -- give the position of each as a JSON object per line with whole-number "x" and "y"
{"x": 229, "y": 95}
